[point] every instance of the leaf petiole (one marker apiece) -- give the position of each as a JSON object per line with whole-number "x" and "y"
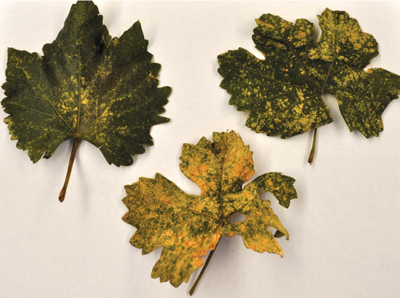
{"x": 63, "y": 191}
{"x": 202, "y": 270}
{"x": 311, "y": 157}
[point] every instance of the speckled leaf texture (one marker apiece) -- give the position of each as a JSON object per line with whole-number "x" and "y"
{"x": 187, "y": 226}
{"x": 283, "y": 92}
{"x": 87, "y": 86}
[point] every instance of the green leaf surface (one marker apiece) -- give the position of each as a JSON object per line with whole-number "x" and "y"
{"x": 87, "y": 86}
{"x": 283, "y": 92}
{"x": 187, "y": 226}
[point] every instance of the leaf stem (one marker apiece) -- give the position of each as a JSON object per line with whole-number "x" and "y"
{"x": 202, "y": 270}
{"x": 63, "y": 191}
{"x": 311, "y": 157}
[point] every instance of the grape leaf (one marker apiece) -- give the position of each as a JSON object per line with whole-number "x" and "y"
{"x": 87, "y": 86}
{"x": 186, "y": 226}
{"x": 283, "y": 92}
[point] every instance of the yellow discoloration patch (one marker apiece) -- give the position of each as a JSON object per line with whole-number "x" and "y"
{"x": 193, "y": 171}
{"x": 200, "y": 207}
{"x": 247, "y": 194}
{"x": 214, "y": 241}
{"x": 203, "y": 169}
{"x": 198, "y": 262}
{"x": 299, "y": 109}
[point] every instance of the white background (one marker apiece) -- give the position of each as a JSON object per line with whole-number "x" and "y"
{"x": 344, "y": 228}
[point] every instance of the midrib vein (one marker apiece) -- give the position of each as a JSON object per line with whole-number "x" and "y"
{"x": 78, "y": 74}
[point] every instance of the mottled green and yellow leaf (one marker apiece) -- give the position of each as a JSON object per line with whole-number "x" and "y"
{"x": 283, "y": 92}
{"x": 86, "y": 86}
{"x": 187, "y": 226}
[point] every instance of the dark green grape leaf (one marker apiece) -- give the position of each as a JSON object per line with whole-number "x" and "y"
{"x": 283, "y": 92}
{"x": 187, "y": 226}
{"x": 87, "y": 86}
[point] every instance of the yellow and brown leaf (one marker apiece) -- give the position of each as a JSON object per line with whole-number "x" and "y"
{"x": 187, "y": 226}
{"x": 283, "y": 92}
